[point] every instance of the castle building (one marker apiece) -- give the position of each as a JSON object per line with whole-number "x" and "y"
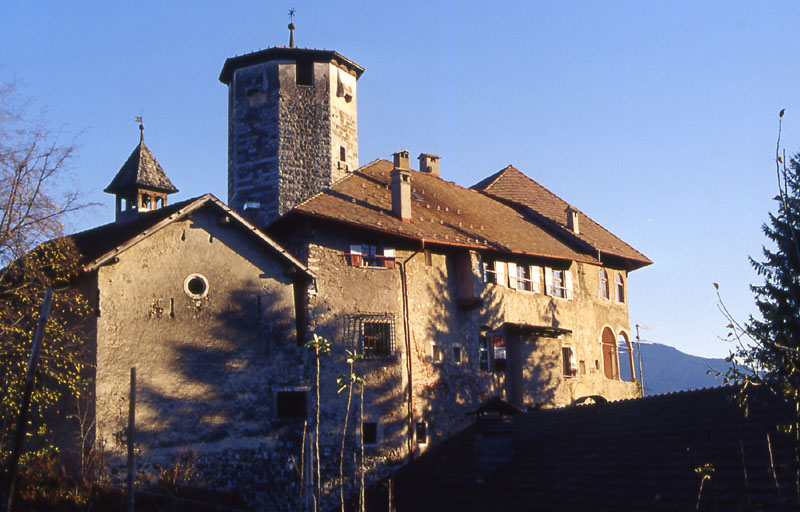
{"x": 452, "y": 295}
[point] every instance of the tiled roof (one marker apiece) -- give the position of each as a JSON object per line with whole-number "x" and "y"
{"x": 442, "y": 213}
{"x": 643, "y": 454}
{"x": 101, "y": 244}
{"x": 512, "y": 186}
{"x": 141, "y": 169}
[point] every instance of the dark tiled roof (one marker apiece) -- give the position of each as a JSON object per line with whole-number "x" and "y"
{"x": 641, "y": 454}
{"x": 284, "y": 53}
{"x": 141, "y": 169}
{"x": 99, "y": 244}
{"x": 442, "y": 213}
{"x": 512, "y": 186}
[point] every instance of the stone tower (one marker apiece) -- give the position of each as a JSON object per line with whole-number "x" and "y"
{"x": 292, "y": 127}
{"x": 141, "y": 184}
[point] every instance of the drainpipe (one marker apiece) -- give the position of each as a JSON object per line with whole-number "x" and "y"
{"x": 406, "y": 329}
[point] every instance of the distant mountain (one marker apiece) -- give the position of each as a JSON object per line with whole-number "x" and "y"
{"x": 668, "y": 369}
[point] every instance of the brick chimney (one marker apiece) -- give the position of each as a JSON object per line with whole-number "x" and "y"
{"x": 429, "y": 163}
{"x": 572, "y": 220}
{"x": 401, "y": 187}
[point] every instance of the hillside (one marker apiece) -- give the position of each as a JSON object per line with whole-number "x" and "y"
{"x": 668, "y": 369}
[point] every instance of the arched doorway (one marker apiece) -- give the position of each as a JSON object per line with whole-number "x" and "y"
{"x": 610, "y": 365}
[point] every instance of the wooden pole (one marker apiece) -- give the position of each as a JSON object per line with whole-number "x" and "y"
{"x": 131, "y": 428}
{"x": 22, "y": 419}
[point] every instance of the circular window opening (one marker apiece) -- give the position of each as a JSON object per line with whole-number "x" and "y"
{"x": 196, "y": 286}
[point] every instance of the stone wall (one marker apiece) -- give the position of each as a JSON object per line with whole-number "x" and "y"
{"x": 443, "y": 390}
{"x": 285, "y": 139}
{"x": 208, "y": 363}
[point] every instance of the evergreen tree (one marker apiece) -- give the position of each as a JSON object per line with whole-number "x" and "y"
{"x": 777, "y": 332}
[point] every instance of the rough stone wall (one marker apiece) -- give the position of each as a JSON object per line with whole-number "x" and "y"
{"x": 304, "y": 136}
{"x": 253, "y": 99}
{"x": 442, "y": 391}
{"x": 207, "y": 367}
{"x": 284, "y": 139}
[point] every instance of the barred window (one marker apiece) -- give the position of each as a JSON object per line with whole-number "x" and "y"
{"x": 377, "y": 339}
{"x": 371, "y": 334}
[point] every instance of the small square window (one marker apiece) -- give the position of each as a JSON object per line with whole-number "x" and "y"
{"x": 457, "y": 354}
{"x": 305, "y": 72}
{"x": 290, "y": 404}
{"x": 422, "y": 432}
{"x": 569, "y": 367}
{"x": 369, "y": 432}
{"x": 436, "y": 353}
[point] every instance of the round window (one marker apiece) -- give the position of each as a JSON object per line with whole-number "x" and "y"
{"x": 196, "y": 286}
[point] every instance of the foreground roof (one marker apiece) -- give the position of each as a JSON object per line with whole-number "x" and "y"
{"x": 512, "y": 186}
{"x": 100, "y": 245}
{"x": 643, "y": 454}
{"x": 141, "y": 170}
{"x": 443, "y": 213}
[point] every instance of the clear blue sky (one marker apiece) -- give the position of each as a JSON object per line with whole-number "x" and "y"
{"x": 657, "y": 119}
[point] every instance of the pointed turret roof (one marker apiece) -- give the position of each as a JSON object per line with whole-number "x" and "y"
{"x": 141, "y": 170}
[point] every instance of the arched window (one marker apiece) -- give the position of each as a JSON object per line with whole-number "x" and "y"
{"x": 626, "y": 360}
{"x": 146, "y": 202}
{"x": 603, "y": 278}
{"x": 610, "y": 365}
{"x": 619, "y": 286}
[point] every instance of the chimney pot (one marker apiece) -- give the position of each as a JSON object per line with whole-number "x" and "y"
{"x": 572, "y": 220}
{"x": 401, "y": 159}
{"x": 429, "y": 163}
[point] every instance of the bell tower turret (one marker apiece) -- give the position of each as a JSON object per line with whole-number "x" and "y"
{"x": 141, "y": 184}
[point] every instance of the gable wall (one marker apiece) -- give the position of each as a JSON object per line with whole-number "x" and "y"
{"x": 202, "y": 363}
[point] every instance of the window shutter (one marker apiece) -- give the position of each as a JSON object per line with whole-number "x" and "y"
{"x": 548, "y": 281}
{"x": 512, "y": 275}
{"x": 388, "y": 258}
{"x": 535, "y": 281}
{"x": 500, "y": 273}
{"x": 568, "y": 283}
{"x": 355, "y": 255}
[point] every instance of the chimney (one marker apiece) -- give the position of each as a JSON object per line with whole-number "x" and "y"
{"x": 401, "y": 159}
{"x": 429, "y": 163}
{"x": 401, "y": 188}
{"x": 572, "y": 220}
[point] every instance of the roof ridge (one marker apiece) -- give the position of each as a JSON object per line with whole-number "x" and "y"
{"x": 560, "y": 224}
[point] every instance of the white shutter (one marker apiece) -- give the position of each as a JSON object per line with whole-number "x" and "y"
{"x": 568, "y": 283}
{"x": 536, "y": 285}
{"x": 548, "y": 281}
{"x": 512, "y": 275}
{"x": 500, "y": 273}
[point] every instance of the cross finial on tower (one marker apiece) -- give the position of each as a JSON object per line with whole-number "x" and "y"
{"x": 138, "y": 119}
{"x": 291, "y": 27}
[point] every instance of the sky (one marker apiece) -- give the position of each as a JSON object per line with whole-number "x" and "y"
{"x": 657, "y": 119}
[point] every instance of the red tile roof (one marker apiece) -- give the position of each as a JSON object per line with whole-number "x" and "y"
{"x": 443, "y": 213}
{"x": 513, "y": 187}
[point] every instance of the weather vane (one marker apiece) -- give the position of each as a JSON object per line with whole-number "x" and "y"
{"x": 138, "y": 119}
{"x": 291, "y": 27}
